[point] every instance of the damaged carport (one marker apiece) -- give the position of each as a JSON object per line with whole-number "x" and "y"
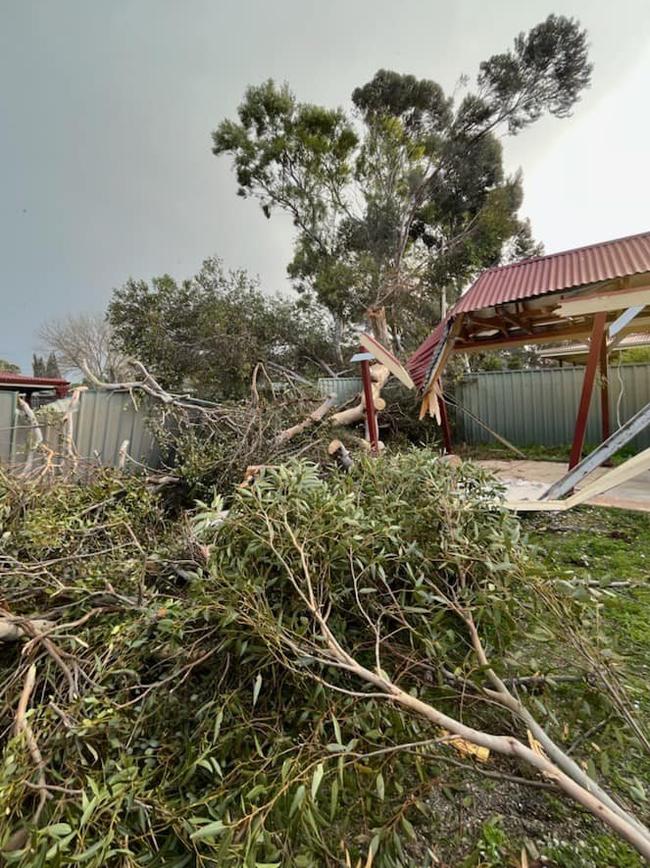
{"x": 600, "y": 293}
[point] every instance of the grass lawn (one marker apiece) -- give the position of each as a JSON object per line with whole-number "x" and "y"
{"x": 496, "y": 451}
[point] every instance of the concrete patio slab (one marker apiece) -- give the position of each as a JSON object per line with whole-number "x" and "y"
{"x": 528, "y": 480}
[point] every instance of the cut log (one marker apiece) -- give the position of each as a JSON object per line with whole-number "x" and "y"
{"x": 12, "y": 632}
{"x": 379, "y": 375}
{"x": 339, "y": 452}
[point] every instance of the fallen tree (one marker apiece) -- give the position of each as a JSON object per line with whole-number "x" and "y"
{"x": 275, "y": 682}
{"x": 211, "y": 443}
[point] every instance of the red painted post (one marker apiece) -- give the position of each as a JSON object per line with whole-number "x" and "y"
{"x": 371, "y": 416}
{"x": 444, "y": 424}
{"x": 604, "y": 390}
{"x": 597, "y": 334}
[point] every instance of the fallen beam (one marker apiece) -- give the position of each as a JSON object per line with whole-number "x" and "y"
{"x": 635, "y": 425}
{"x": 633, "y": 467}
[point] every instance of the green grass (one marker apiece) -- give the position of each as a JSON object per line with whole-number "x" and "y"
{"x": 604, "y": 547}
{"x": 496, "y": 451}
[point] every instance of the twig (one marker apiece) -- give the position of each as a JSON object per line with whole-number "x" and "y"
{"x": 22, "y": 727}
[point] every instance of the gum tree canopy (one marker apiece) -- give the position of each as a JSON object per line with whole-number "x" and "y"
{"x": 405, "y": 200}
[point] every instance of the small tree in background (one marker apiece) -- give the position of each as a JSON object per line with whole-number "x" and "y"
{"x": 52, "y": 367}
{"x": 401, "y": 205}
{"x": 79, "y": 341}
{"x": 208, "y": 333}
{"x": 9, "y": 367}
{"x": 38, "y": 365}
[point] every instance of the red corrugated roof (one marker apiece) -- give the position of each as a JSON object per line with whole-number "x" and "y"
{"x": 419, "y": 362}
{"x": 11, "y": 379}
{"x": 557, "y": 271}
{"x": 541, "y": 275}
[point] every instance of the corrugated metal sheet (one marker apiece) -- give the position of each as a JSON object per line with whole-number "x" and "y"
{"x": 418, "y": 364}
{"x": 542, "y": 275}
{"x": 102, "y": 422}
{"x": 538, "y": 407}
{"x": 343, "y": 388}
{"x": 530, "y": 278}
{"x": 7, "y": 425}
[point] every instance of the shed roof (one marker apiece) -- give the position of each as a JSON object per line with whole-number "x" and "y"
{"x": 22, "y": 381}
{"x": 529, "y": 278}
{"x": 541, "y": 275}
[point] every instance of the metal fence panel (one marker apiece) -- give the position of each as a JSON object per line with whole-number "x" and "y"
{"x": 539, "y": 406}
{"x": 343, "y": 388}
{"x": 102, "y": 422}
{"x": 7, "y": 425}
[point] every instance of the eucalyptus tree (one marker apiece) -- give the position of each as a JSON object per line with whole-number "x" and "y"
{"x": 406, "y": 198}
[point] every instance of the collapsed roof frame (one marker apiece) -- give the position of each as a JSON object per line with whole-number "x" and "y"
{"x": 600, "y": 292}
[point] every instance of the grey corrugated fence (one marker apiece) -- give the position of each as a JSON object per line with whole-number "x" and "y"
{"x": 102, "y": 423}
{"x": 539, "y": 406}
{"x": 343, "y": 388}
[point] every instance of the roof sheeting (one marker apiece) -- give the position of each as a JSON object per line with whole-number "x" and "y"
{"x": 419, "y": 362}
{"x": 17, "y": 381}
{"x": 542, "y": 275}
{"x": 557, "y": 271}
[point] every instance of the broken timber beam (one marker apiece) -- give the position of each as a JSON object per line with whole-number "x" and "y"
{"x": 632, "y": 467}
{"x": 637, "y": 423}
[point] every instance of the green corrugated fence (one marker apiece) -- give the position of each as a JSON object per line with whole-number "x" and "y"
{"x": 539, "y": 406}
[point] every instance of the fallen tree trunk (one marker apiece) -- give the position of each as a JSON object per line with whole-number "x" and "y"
{"x": 316, "y": 416}
{"x": 379, "y": 375}
{"x": 35, "y": 440}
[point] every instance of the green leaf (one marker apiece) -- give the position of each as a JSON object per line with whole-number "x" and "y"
{"x": 316, "y": 780}
{"x": 408, "y": 828}
{"x": 379, "y": 786}
{"x": 297, "y": 800}
{"x": 89, "y": 852}
{"x": 603, "y": 762}
{"x": 57, "y": 830}
{"x": 334, "y": 799}
{"x": 209, "y": 831}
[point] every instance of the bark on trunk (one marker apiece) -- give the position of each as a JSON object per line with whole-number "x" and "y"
{"x": 379, "y": 375}
{"x": 338, "y": 339}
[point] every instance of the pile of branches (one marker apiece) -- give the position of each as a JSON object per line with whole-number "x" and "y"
{"x": 207, "y": 444}
{"x": 274, "y": 680}
{"x": 204, "y": 444}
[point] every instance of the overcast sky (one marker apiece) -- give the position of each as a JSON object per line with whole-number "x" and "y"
{"x": 106, "y": 109}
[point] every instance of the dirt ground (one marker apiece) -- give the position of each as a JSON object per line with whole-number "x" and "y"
{"x": 528, "y": 480}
